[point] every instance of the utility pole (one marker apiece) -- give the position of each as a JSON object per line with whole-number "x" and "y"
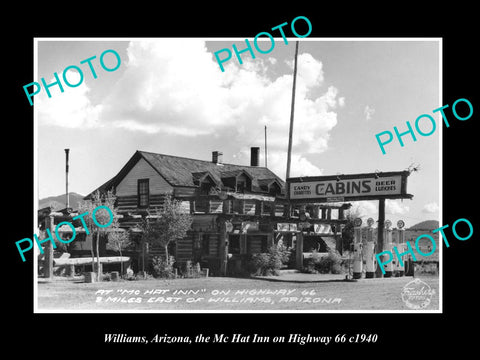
{"x": 289, "y": 154}
{"x": 67, "y": 200}
{"x": 266, "y": 146}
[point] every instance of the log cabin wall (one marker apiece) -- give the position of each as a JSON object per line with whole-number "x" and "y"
{"x": 130, "y": 202}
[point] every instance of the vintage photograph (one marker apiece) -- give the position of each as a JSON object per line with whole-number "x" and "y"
{"x": 295, "y": 174}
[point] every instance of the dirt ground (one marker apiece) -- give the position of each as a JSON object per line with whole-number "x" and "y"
{"x": 306, "y": 293}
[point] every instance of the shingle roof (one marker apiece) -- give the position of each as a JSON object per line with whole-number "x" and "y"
{"x": 181, "y": 171}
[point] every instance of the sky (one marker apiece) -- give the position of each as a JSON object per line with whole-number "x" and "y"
{"x": 169, "y": 96}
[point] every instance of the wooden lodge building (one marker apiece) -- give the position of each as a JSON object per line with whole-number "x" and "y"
{"x": 237, "y": 210}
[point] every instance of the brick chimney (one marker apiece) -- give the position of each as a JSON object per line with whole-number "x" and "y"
{"x": 254, "y": 156}
{"x": 217, "y": 157}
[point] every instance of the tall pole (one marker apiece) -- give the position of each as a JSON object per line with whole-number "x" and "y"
{"x": 288, "y": 207}
{"x": 289, "y": 154}
{"x": 66, "y": 178}
{"x": 266, "y": 146}
{"x": 380, "y": 232}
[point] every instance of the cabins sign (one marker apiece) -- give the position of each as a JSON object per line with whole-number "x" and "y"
{"x": 350, "y": 187}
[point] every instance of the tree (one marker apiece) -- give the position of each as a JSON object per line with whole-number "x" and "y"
{"x": 102, "y": 217}
{"x": 166, "y": 225}
{"x": 119, "y": 239}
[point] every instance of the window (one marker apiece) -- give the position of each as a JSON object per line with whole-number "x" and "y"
{"x": 205, "y": 188}
{"x": 143, "y": 193}
{"x": 241, "y": 185}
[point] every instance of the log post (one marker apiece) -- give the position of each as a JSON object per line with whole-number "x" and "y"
{"x": 381, "y": 226}
{"x": 243, "y": 243}
{"x": 338, "y": 239}
{"x": 48, "y": 262}
{"x": 223, "y": 248}
{"x": 299, "y": 251}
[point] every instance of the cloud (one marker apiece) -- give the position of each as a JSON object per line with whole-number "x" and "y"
{"x": 299, "y": 165}
{"x": 368, "y": 112}
{"x": 174, "y": 87}
{"x": 430, "y": 208}
{"x": 395, "y": 207}
{"x": 70, "y": 109}
{"x": 365, "y": 209}
{"x": 369, "y": 208}
{"x": 272, "y": 61}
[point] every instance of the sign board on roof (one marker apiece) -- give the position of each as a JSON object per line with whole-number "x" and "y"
{"x": 349, "y": 187}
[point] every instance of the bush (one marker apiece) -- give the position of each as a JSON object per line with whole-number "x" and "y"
{"x": 269, "y": 263}
{"x": 161, "y": 269}
{"x": 329, "y": 264}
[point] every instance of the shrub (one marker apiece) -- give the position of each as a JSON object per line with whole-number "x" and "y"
{"x": 329, "y": 264}
{"x": 162, "y": 269}
{"x": 310, "y": 263}
{"x": 269, "y": 263}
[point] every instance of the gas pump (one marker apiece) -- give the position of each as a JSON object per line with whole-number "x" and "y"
{"x": 399, "y": 242}
{"x": 388, "y": 245}
{"x": 357, "y": 249}
{"x": 370, "y": 260}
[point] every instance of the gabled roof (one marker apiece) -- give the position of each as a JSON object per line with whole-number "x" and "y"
{"x": 200, "y": 176}
{"x": 268, "y": 182}
{"x": 180, "y": 171}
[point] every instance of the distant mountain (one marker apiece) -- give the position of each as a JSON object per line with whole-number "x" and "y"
{"x": 58, "y": 202}
{"x": 426, "y": 225}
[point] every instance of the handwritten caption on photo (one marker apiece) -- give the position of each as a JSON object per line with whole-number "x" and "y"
{"x": 239, "y": 296}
